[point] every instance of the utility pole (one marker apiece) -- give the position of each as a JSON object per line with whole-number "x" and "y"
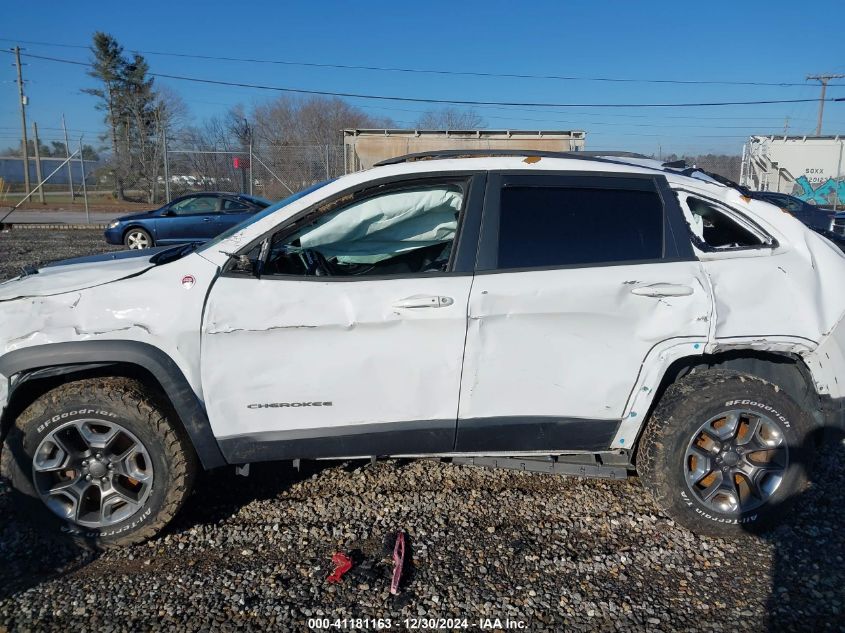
{"x": 786, "y": 126}
{"x": 84, "y": 185}
{"x": 38, "y": 162}
{"x": 823, "y": 79}
{"x": 25, "y": 144}
{"x": 67, "y": 154}
{"x": 166, "y": 166}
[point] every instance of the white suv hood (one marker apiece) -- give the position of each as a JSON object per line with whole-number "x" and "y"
{"x": 66, "y": 277}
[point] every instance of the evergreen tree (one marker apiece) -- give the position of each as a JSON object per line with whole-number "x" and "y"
{"x": 109, "y": 67}
{"x": 136, "y": 115}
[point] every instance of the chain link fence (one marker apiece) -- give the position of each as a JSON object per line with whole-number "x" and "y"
{"x": 269, "y": 172}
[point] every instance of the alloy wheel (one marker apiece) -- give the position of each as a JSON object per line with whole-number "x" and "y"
{"x": 137, "y": 240}
{"x": 92, "y": 472}
{"x": 736, "y": 461}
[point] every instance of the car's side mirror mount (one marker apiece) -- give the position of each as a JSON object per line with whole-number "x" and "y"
{"x": 168, "y": 212}
{"x": 243, "y": 264}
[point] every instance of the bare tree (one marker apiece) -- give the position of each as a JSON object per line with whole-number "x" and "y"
{"x": 292, "y": 141}
{"x": 148, "y": 113}
{"x": 450, "y": 119}
{"x": 311, "y": 121}
{"x": 311, "y": 125}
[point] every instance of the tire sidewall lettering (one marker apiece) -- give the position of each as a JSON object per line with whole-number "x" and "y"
{"x": 687, "y": 499}
{"x": 747, "y": 402}
{"x": 70, "y": 528}
{"x": 688, "y": 502}
{"x": 67, "y": 416}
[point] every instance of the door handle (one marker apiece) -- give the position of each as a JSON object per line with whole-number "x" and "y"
{"x": 207, "y": 219}
{"x": 424, "y": 301}
{"x": 662, "y": 290}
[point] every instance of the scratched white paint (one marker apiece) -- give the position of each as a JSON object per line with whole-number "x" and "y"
{"x": 339, "y": 341}
{"x": 783, "y": 299}
{"x": 570, "y": 342}
{"x": 151, "y": 307}
{"x": 57, "y": 279}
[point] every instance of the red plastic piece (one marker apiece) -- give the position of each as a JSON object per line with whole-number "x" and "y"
{"x": 398, "y": 562}
{"x": 342, "y": 564}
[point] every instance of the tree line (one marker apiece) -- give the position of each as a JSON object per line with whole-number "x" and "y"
{"x": 56, "y": 149}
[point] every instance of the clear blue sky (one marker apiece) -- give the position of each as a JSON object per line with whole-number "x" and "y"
{"x": 734, "y": 41}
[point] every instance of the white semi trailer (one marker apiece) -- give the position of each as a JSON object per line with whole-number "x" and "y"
{"x": 363, "y": 148}
{"x": 808, "y": 167}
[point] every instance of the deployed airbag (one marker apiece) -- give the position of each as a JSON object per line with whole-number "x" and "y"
{"x": 376, "y": 229}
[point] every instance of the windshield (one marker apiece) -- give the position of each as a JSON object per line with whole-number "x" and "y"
{"x": 263, "y": 214}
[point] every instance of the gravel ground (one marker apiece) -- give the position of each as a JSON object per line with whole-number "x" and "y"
{"x": 20, "y": 248}
{"x": 554, "y": 553}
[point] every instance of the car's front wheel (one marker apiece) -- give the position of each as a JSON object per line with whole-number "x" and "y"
{"x": 101, "y": 460}
{"x": 725, "y": 453}
{"x": 138, "y": 239}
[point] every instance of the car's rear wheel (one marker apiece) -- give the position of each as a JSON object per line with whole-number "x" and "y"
{"x": 100, "y": 460}
{"x": 137, "y": 239}
{"x": 725, "y": 453}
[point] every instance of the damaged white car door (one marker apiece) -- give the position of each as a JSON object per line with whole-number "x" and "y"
{"x": 350, "y": 339}
{"x": 748, "y": 267}
{"x": 581, "y": 278}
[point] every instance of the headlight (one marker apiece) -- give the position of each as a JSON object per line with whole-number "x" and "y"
{"x": 114, "y": 224}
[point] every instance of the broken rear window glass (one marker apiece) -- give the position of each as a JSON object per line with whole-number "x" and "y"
{"x": 398, "y": 232}
{"x": 714, "y": 229}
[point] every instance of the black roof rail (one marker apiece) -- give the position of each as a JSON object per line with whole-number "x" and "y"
{"x": 614, "y": 154}
{"x": 677, "y": 166}
{"x": 681, "y": 167}
{"x": 479, "y": 153}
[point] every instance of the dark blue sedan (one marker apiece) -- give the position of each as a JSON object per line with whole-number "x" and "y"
{"x": 829, "y": 223}
{"x": 196, "y": 217}
{"x": 811, "y": 215}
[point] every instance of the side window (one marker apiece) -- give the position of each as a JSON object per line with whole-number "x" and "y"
{"x": 196, "y": 205}
{"x": 713, "y": 229}
{"x": 566, "y": 226}
{"x": 398, "y": 232}
{"x": 234, "y": 206}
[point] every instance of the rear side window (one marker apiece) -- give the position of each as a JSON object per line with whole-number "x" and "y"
{"x": 714, "y": 230}
{"x": 234, "y": 205}
{"x": 568, "y": 226}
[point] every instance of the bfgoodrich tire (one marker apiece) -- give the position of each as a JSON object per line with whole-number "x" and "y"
{"x": 99, "y": 460}
{"x": 725, "y": 453}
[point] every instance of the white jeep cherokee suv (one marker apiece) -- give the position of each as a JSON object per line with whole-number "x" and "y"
{"x": 553, "y": 312}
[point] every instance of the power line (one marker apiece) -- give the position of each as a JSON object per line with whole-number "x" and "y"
{"x": 431, "y": 71}
{"x": 351, "y": 95}
{"x": 541, "y": 111}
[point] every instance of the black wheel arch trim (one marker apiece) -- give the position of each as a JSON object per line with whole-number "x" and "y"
{"x": 66, "y": 358}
